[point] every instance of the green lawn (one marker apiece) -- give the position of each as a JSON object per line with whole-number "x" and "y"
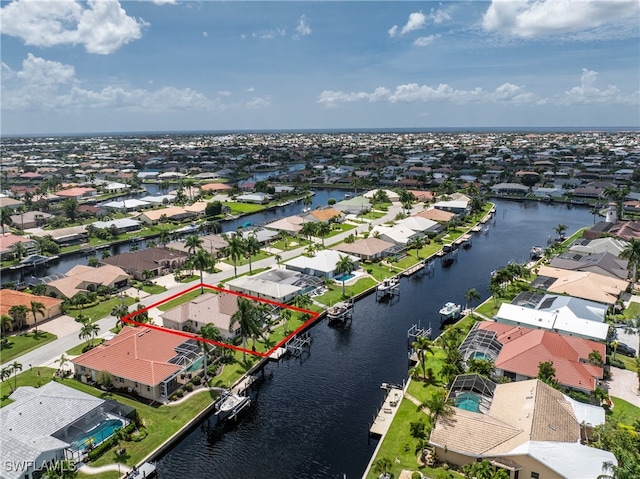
{"x": 185, "y": 298}
{"x": 35, "y": 377}
{"x": 243, "y": 208}
{"x": 242, "y": 261}
{"x": 23, "y": 343}
{"x": 625, "y": 412}
{"x": 153, "y": 289}
{"x": 334, "y": 295}
{"x": 79, "y": 349}
{"x": 102, "y": 309}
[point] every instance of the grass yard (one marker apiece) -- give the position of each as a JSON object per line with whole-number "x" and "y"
{"x": 242, "y": 261}
{"x": 185, "y": 298}
{"x": 35, "y": 377}
{"x": 79, "y": 349}
{"x": 242, "y": 208}
{"x": 100, "y": 310}
{"x": 334, "y": 295}
{"x": 23, "y": 343}
{"x": 625, "y": 412}
{"x": 380, "y": 271}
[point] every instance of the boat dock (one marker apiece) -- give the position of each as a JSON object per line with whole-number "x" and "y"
{"x": 243, "y": 385}
{"x": 421, "y": 266}
{"x": 388, "y": 288}
{"x": 299, "y": 344}
{"x": 146, "y": 469}
{"x": 341, "y": 312}
{"x": 387, "y": 411}
{"x": 230, "y": 404}
{"x": 416, "y": 331}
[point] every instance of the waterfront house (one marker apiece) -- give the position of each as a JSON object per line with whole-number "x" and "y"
{"x": 30, "y": 219}
{"x": 10, "y": 298}
{"x": 510, "y": 189}
{"x": 393, "y": 234}
{"x": 42, "y": 425}
{"x": 323, "y": 263}
{"x": 71, "y": 235}
{"x": 127, "y": 205}
{"x": 453, "y": 206}
{"x": 516, "y": 352}
{"x": 355, "y": 206}
{"x": 527, "y": 428}
{"x": 209, "y": 308}
{"x": 367, "y": 249}
{"x": 290, "y": 224}
{"x": 258, "y": 198}
{"x": 143, "y": 361}
{"x": 602, "y": 263}
{"x": 77, "y": 193}
{"x": 83, "y": 279}
{"x": 121, "y": 225}
{"x": 216, "y": 188}
{"x": 325, "y": 215}
{"x": 421, "y": 225}
{"x": 392, "y": 195}
{"x": 172, "y": 213}
{"x": 213, "y": 244}
{"x": 581, "y": 284}
{"x": 159, "y": 200}
{"x": 156, "y": 260}
{"x": 7, "y": 240}
{"x": 614, "y": 246}
{"x": 275, "y": 284}
{"x": 434, "y": 214}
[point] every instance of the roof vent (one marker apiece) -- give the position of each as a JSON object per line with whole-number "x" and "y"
{"x": 552, "y": 427}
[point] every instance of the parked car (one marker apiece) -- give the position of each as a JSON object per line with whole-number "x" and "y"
{"x": 626, "y": 350}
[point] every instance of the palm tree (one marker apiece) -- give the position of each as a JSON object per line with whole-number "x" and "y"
{"x": 417, "y": 243}
{"x": 6, "y": 322}
{"x": 15, "y": 367}
{"x": 472, "y": 295}
{"x": 632, "y": 326}
{"x": 306, "y": 201}
{"x": 86, "y": 332}
{"x": 285, "y": 316}
{"x": 278, "y": 258}
{"x": 344, "y": 267}
{"x": 202, "y": 261}
{"x": 323, "y": 230}
{"x": 382, "y": 466}
{"x": 423, "y": 345}
{"x": 309, "y": 229}
{"x": 247, "y": 317}
{"x": 5, "y": 374}
{"x": 234, "y": 250}
{"x": 210, "y": 332}
{"x": 18, "y": 249}
{"x": 251, "y": 247}
{"x": 438, "y": 406}
{"x": 19, "y": 314}
{"x": 62, "y": 360}
{"x": 37, "y": 308}
{"x": 560, "y": 229}
{"x": 632, "y": 254}
{"x": 193, "y": 243}
{"x": 5, "y": 218}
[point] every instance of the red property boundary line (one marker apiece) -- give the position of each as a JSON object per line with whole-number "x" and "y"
{"x": 129, "y": 319}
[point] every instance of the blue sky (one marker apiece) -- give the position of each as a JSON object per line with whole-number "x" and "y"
{"x": 105, "y": 66}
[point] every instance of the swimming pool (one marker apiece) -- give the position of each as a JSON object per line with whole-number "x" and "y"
{"x": 468, "y": 402}
{"x": 479, "y": 355}
{"x": 95, "y": 436}
{"x": 344, "y": 276}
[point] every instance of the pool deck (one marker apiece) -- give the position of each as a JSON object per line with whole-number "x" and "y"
{"x": 387, "y": 412}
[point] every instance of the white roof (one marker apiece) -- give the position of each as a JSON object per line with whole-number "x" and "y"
{"x": 324, "y": 261}
{"x": 392, "y": 195}
{"x": 526, "y": 316}
{"x": 574, "y": 308}
{"x": 570, "y": 460}
{"x": 456, "y": 204}
{"x": 158, "y": 199}
{"x": 397, "y": 234}
{"x": 119, "y": 223}
{"x": 133, "y": 203}
{"x": 417, "y": 223}
{"x": 263, "y": 287}
{"x": 588, "y": 413}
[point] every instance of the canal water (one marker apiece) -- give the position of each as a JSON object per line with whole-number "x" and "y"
{"x": 310, "y": 417}
{"x": 62, "y": 265}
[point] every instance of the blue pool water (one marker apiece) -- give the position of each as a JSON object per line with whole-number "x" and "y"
{"x": 479, "y": 355}
{"x": 102, "y": 431}
{"x": 468, "y": 402}
{"x": 344, "y": 276}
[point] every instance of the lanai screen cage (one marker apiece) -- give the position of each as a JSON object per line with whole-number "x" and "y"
{"x": 480, "y": 344}
{"x": 472, "y": 392}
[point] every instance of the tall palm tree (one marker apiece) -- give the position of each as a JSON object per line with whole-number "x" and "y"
{"x": 251, "y": 247}
{"x": 309, "y": 229}
{"x": 6, "y": 322}
{"x": 203, "y": 260}
{"x": 632, "y": 254}
{"x": 247, "y": 317}
{"x": 18, "y": 249}
{"x": 193, "y": 243}
{"x": 438, "y": 406}
{"x": 15, "y": 367}
{"x": 19, "y": 314}
{"x": 472, "y": 295}
{"x": 5, "y": 218}
{"x": 86, "y": 333}
{"x": 278, "y": 258}
{"x": 37, "y": 308}
{"x": 234, "y": 250}
{"x": 5, "y": 375}
{"x": 285, "y": 316}
{"x": 417, "y": 243}
{"x": 423, "y": 345}
{"x": 323, "y": 230}
{"x": 208, "y": 331}
{"x": 344, "y": 267}
{"x": 560, "y": 229}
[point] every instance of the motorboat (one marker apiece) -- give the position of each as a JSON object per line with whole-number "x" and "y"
{"x": 450, "y": 311}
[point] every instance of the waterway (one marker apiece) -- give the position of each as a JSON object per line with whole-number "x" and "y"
{"x": 65, "y": 263}
{"x": 310, "y": 417}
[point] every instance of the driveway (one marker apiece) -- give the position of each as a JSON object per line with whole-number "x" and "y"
{"x": 624, "y": 385}
{"x": 61, "y": 326}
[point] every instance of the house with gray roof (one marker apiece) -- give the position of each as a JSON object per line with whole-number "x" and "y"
{"x": 602, "y": 263}
{"x": 276, "y": 284}
{"x": 323, "y": 263}
{"x": 49, "y": 424}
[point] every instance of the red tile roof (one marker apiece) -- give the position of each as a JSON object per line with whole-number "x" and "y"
{"x": 525, "y": 348}
{"x": 138, "y": 354}
{"x": 9, "y": 298}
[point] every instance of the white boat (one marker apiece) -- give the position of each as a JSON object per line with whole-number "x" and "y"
{"x": 388, "y": 284}
{"x": 306, "y": 210}
{"x": 339, "y": 312}
{"x": 233, "y": 403}
{"x": 536, "y": 252}
{"x": 347, "y": 196}
{"x": 450, "y": 311}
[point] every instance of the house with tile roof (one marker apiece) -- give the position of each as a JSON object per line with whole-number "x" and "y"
{"x": 529, "y": 429}
{"x": 325, "y": 215}
{"x": 394, "y": 234}
{"x": 77, "y": 193}
{"x": 614, "y": 246}
{"x": 275, "y": 284}
{"x": 209, "y": 308}
{"x": 147, "y": 362}
{"x": 323, "y": 263}
{"x": 7, "y": 240}
{"x": 30, "y": 219}
{"x": 290, "y": 224}
{"x": 10, "y": 298}
{"x": 435, "y": 214}
{"x": 522, "y": 349}
{"x": 368, "y": 249}
{"x": 82, "y": 279}
{"x": 32, "y": 436}
{"x": 419, "y": 224}
{"x": 156, "y": 260}
{"x": 173, "y": 213}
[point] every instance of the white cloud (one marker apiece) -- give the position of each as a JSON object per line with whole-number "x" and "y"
{"x": 102, "y": 26}
{"x": 223, "y": 93}
{"x": 414, "y": 93}
{"x": 258, "y": 103}
{"x": 542, "y": 18}
{"x": 251, "y": 89}
{"x": 270, "y": 34}
{"x": 47, "y": 85}
{"x": 303, "y": 28}
{"x": 424, "y": 41}
{"x": 587, "y": 93}
{"x": 393, "y": 31}
{"x": 164, "y": 2}
{"x": 205, "y": 34}
{"x": 416, "y": 21}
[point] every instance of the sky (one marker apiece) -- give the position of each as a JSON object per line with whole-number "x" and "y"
{"x": 169, "y": 65}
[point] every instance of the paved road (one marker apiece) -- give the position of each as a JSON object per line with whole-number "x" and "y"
{"x": 46, "y": 355}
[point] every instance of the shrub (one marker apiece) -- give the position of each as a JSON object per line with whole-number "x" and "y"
{"x": 196, "y": 380}
{"x": 173, "y": 397}
{"x": 179, "y": 393}
{"x": 188, "y": 387}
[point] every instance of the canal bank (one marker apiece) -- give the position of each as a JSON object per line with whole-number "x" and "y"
{"x": 311, "y": 416}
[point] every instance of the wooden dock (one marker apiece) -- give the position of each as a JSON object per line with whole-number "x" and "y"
{"x": 387, "y": 411}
